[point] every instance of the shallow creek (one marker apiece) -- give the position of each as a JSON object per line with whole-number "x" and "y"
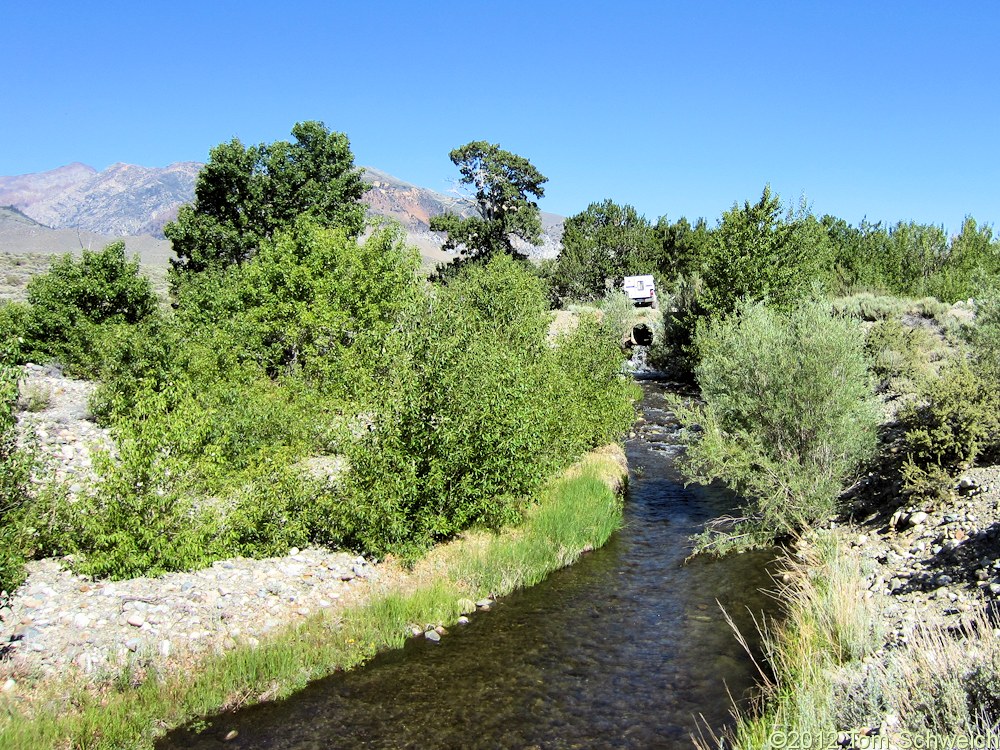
{"x": 627, "y": 648}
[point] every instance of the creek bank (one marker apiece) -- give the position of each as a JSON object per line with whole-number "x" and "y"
{"x": 933, "y": 565}
{"x": 892, "y": 627}
{"x": 67, "y": 639}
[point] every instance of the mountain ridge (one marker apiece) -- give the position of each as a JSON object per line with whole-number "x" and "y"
{"x": 129, "y": 200}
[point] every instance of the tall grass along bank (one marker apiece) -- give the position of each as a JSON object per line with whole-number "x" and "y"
{"x": 837, "y": 676}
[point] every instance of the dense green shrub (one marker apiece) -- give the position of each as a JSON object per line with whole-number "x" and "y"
{"x": 315, "y": 301}
{"x": 211, "y": 476}
{"x": 591, "y": 403}
{"x": 604, "y": 243}
{"x": 15, "y": 474}
{"x": 788, "y": 413}
{"x": 618, "y": 315}
{"x": 246, "y": 195}
{"x": 755, "y": 255}
{"x": 136, "y": 519}
{"x": 72, "y": 302}
{"x": 458, "y": 406}
{"x": 146, "y": 356}
{"x": 681, "y": 311}
{"x": 15, "y": 318}
{"x": 481, "y": 411}
{"x": 956, "y": 417}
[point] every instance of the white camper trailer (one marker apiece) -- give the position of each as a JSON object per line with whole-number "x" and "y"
{"x": 641, "y": 290}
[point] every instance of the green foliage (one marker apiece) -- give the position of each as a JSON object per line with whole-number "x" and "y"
{"x": 984, "y": 336}
{"x": 503, "y": 183}
{"x": 754, "y": 255}
{"x": 682, "y": 246}
{"x": 912, "y": 259}
{"x": 15, "y": 474}
{"x": 199, "y": 475}
{"x": 245, "y": 194}
{"x": 956, "y": 418}
{"x": 787, "y": 415}
{"x": 72, "y": 304}
{"x": 605, "y": 242}
{"x": 451, "y": 408}
{"x": 136, "y": 520}
{"x": 15, "y": 319}
{"x": 972, "y": 266}
{"x": 680, "y": 315}
{"x": 573, "y": 515}
{"x": 144, "y": 357}
{"x": 892, "y": 349}
{"x": 318, "y": 301}
{"x": 592, "y": 402}
{"x": 481, "y": 410}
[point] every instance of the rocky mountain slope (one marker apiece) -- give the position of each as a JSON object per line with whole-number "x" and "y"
{"x": 126, "y": 200}
{"x": 123, "y": 199}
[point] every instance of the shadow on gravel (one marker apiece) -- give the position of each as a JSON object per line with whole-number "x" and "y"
{"x": 873, "y": 499}
{"x": 956, "y": 561}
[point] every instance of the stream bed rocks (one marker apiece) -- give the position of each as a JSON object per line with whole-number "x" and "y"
{"x": 57, "y": 618}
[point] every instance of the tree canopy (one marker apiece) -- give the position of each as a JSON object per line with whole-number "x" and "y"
{"x": 245, "y": 194}
{"x": 503, "y": 183}
{"x": 605, "y": 241}
{"x": 755, "y": 255}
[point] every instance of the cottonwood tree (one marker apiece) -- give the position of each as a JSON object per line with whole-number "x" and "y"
{"x": 504, "y": 185}
{"x": 245, "y": 194}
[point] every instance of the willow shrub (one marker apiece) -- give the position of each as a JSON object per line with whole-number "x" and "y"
{"x": 481, "y": 410}
{"x": 788, "y": 412}
{"x": 72, "y": 303}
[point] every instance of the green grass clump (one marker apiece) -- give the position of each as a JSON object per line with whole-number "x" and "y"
{"x": 828, "y": 628}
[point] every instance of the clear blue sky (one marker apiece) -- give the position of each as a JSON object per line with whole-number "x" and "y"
{"x": 888, "y": 110}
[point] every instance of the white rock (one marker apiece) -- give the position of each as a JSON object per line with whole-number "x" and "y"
{"x": 81, "y": 621}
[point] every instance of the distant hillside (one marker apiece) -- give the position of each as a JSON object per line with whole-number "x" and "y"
{"x": 122, "y": 200}
{"x": 81, "y": 206}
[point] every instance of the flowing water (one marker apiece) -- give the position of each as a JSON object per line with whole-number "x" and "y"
{"x": 626, "y": 649}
